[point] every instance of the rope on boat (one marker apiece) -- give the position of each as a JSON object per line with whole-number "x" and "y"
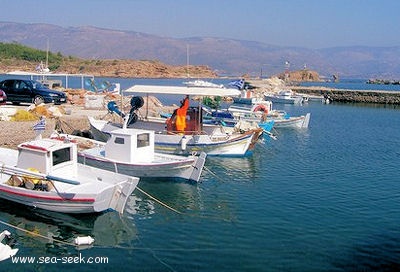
{"x": 158, "y": 201}
{"x": 37, "y": 234}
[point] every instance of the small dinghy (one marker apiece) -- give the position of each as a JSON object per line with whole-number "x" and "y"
{"x": 5, "y": 250}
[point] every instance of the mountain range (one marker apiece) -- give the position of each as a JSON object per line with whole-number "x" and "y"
{"x": 227, "y": 57}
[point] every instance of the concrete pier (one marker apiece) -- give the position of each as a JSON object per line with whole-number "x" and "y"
{"x": 352, "y": 96}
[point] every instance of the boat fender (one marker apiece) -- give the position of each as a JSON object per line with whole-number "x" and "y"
{"x": 184, "y": 142}
{"x": 86, "y": 240}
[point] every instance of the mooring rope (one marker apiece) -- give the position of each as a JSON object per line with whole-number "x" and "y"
{"x": 37, "y": 234}
{"x": 213, "y": 174}
{"x": 157, "y": 200}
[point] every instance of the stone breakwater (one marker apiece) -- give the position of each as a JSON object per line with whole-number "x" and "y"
{"x": 352, "y": 96}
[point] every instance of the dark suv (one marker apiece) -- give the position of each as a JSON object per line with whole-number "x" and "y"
{"x": 30, "y": 91}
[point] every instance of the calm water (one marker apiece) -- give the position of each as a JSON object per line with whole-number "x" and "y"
{"x": 323, "y": 199}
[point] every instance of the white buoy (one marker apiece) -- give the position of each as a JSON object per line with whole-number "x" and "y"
{"x": 86, "y": 240}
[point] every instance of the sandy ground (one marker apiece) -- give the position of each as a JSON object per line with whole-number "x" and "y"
{"x": 13, "y": 133}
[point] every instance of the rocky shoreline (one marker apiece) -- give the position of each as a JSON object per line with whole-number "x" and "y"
{"x": 352, "y": 96}
{"x": 335, "y": 95}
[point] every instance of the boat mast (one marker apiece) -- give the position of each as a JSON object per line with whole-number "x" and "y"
{"x": 187, "y": 61}
{"x": 47, "y": 54}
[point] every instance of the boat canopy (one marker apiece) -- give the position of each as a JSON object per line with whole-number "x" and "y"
{"x": 203, "y": 91}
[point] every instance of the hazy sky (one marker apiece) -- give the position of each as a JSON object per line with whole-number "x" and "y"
{"x": 304, "y": 23}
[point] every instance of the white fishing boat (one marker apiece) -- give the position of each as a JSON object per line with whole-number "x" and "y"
{"x": 196, "y": 137}
{"x": 132, "y": 152}
{"x": 6, "y": 251}
{"x": 262, "y": 112}
{"x": 284, "y": 96}
{"x": 202, "y": 84}
{"x": 45, "y": 174}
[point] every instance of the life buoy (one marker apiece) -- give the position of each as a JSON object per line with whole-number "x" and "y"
{"x": 262, "y": 108}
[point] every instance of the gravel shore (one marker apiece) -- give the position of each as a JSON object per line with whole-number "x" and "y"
{"x": 13, "y": 133}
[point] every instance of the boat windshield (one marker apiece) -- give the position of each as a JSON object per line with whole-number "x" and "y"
{"x": 61, "y": 155}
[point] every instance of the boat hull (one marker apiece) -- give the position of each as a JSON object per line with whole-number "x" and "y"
{"x": 201, "y": 143}
{"x": 292, "y": 122}
{"x": 188, "y": 168}
{"x": 108, "y": 199}
{"x": 284, "y": 100}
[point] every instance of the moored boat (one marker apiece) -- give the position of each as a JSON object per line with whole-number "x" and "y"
{"x": 6, "y": 251}
{"x": 45, "y": 174}
{"x": 132, "y": 152}
{"x": 284, "y": 96}
{"x": 202, "y": 84}
{"x": 262, "y": 112}
{"x": 195, "y": 137}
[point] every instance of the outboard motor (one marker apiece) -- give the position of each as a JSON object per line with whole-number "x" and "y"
{"x": 113, "y": 107}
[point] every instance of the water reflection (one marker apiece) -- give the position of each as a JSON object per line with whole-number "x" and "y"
{"x": 233, "y": 169}
{"x": 57, "y": 231}
{"x": 161, "y": 195}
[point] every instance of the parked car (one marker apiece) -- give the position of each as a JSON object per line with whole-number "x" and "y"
{"x": 30, "y": 91}
{"x": 3, "y": 97}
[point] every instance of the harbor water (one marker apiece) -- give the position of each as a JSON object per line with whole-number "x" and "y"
{"x": 326, "y": 198}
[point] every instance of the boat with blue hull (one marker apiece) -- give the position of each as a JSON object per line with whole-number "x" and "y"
{"x": 260, "y": 112}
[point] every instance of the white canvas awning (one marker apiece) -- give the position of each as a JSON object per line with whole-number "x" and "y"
{"x": 181, "y": 90}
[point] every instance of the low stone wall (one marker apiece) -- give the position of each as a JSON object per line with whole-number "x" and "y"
{"x": 352, "y": 96}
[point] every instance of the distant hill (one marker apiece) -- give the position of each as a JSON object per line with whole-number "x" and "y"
{"x": 224, "y": 56}
{"x": 14, "y": 57}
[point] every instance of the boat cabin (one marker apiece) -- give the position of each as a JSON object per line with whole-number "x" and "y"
{"x": 193, "y": 122}
{"x": 48, "y": 156}
{"x": 130, "y": 145}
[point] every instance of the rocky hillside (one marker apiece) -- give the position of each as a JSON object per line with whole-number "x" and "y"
{"x": 114, "y": 68}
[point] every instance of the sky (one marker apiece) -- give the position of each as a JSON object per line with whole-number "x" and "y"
{"x": 311, "y": 24}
